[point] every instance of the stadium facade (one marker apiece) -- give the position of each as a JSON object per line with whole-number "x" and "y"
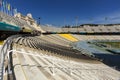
{"x": 53, "y": 56}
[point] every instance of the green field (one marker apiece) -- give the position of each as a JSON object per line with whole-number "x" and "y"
{"x": 112, "y": 44}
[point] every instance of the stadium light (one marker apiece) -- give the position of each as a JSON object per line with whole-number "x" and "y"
{"x": 39, "y": 18}
{"x": 76, "y": 19}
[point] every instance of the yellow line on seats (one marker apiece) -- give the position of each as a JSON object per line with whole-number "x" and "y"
{"x": 1, "y": 42}
{"x": 68, "y": 37}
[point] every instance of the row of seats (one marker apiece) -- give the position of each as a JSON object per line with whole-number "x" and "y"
{"x": 55, "y": 39}
{"x": 97, "y": 37}
{"x": 36, "y": 43}
{"x": 83, "y": 29}
{"x": 50, "y": 65}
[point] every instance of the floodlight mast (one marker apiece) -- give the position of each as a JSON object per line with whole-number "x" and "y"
{"x": 76, "y": 19}
{"x": 39, "y": 18}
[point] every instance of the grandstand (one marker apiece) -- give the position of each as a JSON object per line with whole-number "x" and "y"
{"x": 113, "y": 28}
{"x": 52, "y": 56}
{"x": 22, "y": 22}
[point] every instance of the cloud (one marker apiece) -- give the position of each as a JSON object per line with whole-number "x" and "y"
{"x": 111, "y": 18}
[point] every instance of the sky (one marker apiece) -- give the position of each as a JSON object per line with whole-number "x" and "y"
{"x": 70, "y": 12}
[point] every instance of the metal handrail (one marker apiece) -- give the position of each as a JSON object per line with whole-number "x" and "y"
{"x": 6, "y": 46}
